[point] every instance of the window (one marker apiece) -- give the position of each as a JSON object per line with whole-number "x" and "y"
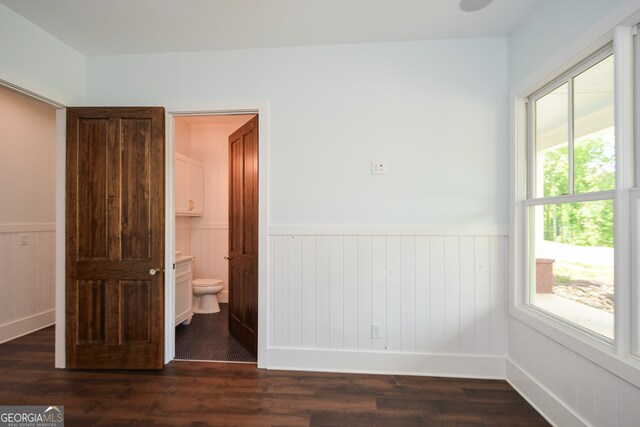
{"x": 569, "y": 210}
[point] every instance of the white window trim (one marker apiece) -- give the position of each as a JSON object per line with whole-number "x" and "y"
{"x": 615, "y": 357}
{"x": 624, "y": 97}
{"x": 634, "y": 195}
{"x": 635, "y": 267}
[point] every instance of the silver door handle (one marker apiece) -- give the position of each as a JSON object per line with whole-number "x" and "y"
{"x": 154, "y": 271}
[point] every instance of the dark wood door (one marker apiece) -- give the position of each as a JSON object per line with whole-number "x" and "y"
{"x": 243, "y": 235}
{"x": 115, "y": 238}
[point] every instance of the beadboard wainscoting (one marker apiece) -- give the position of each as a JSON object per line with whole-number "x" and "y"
{"x": 183, "y": 234}
{"x": 439, "y": 302}
{"x": 209, "y": 245}
{"x": 565, "y": 386}
{"x": 27, "y": 278}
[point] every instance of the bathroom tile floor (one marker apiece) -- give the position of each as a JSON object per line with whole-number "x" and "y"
{"x": 207, "y": 338}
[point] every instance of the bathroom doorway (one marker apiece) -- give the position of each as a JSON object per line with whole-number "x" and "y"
{"x": 202, "y": 236}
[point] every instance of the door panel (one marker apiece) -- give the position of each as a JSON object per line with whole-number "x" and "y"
{"x": 235, "y": 194}
{"x": 250, "y": 194}
{"x": 135, "y": 202}
{"x": 115, "y": 236}
{"x": 243, "y": 235}
{"x": 136, "y": 323}
{"x": 91, "y": 185}
{"x": 91, "y": 314}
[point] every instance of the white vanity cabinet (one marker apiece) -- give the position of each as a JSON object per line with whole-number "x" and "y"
{"x": 189, "y": 186}
{"x": 184, "y": 276}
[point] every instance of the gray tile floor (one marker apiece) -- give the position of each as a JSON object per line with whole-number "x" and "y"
{"x": 207, "y": 338}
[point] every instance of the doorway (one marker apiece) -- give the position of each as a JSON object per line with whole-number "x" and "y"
{"x": 203, "y": 289}
{"x": 28, "y": 212}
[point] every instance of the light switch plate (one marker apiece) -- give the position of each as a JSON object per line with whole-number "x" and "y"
{"x": 378, "y": 168}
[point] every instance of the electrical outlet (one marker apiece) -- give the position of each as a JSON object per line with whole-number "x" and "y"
{"x": 24, "y": 239}
{"x": 378, "y": 168}
{"x": 376, "y": 330}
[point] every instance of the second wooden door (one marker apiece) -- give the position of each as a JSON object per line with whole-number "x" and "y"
{"x": 243, "y": 235}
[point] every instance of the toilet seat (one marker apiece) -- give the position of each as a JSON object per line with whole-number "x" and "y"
{"x": 210, "y": 284}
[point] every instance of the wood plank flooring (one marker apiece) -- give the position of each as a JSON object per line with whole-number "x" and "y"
{"x": 202, "y": 394}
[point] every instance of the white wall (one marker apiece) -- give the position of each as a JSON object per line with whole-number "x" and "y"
{"x": 27, "y": 155}
{"x": 27, "y": 214}
{"x": 436, "y": 111}
{"x": 566, "y": 386}
{"x": 183, "y": 224}
{"x": 34, "y": 60}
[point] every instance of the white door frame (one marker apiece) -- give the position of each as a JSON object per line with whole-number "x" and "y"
{"x": 61, "y": 197}
{"x": 261, "y": 109}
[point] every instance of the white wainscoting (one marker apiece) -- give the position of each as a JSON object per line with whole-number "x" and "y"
{"x": 209, "y": 245}
{"x": 432, "y": 295}
{"x": 566, "y": 387}
{"x": 27, "y": 278}
{"x": 183, "y": 234}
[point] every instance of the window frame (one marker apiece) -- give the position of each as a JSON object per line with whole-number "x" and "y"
{"x": 531, "y": 177}
{"x": 635, "y": 200}
{"x": 621, "y": 357}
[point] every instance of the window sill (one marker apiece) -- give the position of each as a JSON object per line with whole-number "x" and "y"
{"x": 598, "y": 321}
{"x": 600, "y": 352}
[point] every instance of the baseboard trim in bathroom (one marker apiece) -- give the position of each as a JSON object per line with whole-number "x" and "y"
{"x": 207, "y": 338}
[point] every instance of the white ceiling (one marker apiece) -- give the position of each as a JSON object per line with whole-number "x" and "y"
{"x": 108, "y": 27}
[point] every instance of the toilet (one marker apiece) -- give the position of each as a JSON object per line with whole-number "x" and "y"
{"x": 205, "y": 299}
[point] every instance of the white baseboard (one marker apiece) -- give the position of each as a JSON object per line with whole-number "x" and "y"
{"x": 223, "y": 296}
{"x": 25, "y": 326}
{"x": 442, "y": 365}
{"x": 547, "y": 404}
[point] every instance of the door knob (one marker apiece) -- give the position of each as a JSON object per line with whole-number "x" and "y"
{"x": 155, "y": 271}
{"x": 228, "y": 258}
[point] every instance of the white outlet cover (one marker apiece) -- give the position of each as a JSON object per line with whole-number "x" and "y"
{"x": 376, "y": 330}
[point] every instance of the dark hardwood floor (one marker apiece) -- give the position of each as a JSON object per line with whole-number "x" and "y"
{"x": 200, "y": 394}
